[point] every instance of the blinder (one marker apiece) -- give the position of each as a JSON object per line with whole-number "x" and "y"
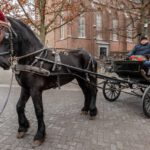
{"x": 2, "y": 34}
{"x": 7, "y": 34}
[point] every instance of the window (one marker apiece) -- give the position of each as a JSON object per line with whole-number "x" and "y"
{"x": 129, "y": 32}
{"x": 136, "y": 1}
{"x": 114, "y": 30}
{"x": 81, "y": 26}
{"x": 69, "y": 1}
{"x": 99, "y": 26}
{"x": 62, "y": 29}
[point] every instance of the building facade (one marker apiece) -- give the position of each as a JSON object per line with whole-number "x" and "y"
{"x": 103, "y": 32}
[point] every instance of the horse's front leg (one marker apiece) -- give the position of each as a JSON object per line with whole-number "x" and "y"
{"x": 38, "y": 105}
{"x": 23, "y": 122}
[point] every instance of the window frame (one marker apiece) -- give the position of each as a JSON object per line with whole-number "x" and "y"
{"x": 115, "y": 24}
{"x": 98, "y": 22}
{"x": 81, "y": 26}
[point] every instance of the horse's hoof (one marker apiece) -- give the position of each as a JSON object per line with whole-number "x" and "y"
{"x": 93, "y": 113}
{"x": 92, "y": 118}
{"x": 37, "y": 143}
{"x": 20, "y": 135}
{"x": 84, "y": 112}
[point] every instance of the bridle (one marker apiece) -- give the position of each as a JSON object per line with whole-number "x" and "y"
{"x": 10, "y": 36}
{"x": 13, "y": 58}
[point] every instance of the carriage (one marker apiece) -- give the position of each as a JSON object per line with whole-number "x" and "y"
{"x": 138, "y": 79}
{"x": 132, "y": 75}
{"x": 38, "y": 68}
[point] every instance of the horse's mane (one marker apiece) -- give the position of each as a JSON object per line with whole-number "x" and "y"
{"x": 24, "y": 31}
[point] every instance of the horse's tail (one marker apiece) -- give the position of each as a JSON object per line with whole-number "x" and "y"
{"x": 92, "y": 63}
{"x": 92, "y": 66}
{"x": 89, "y": 63}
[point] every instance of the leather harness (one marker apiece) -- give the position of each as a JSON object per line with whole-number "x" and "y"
{"x": 17, "y": 68}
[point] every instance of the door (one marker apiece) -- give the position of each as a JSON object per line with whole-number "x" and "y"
{"x": 103, "y": 52}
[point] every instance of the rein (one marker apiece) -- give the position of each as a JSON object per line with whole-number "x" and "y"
{"x": 13, "y": 59}
{"x": 4, "y": 53}
{"x": 7, "y": 98}
{"x": 11, "y": 31}
{"x": 11, "y": 52}
{"x": 30, "y": 54}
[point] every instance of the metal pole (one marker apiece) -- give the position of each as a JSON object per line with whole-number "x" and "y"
{"x": 84, "y": 71}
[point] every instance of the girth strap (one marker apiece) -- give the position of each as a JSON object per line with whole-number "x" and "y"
{"x": 32, "y": 69}
{"x": 57, "y": 60}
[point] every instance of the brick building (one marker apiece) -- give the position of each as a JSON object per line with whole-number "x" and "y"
{"x": 104, "y": 32}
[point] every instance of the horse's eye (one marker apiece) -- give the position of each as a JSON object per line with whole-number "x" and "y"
{"x": 6, "y": 35}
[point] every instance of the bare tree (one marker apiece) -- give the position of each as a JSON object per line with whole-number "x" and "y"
{"x": 137, "y": 12}
{"x": 43, "y": 15}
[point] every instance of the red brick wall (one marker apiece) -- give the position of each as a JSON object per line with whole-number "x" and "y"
{"x": 71, "y": 40}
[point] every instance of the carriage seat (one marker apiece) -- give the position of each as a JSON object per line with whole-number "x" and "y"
{"x": 142, "y": 58}
{"x": 132, "y": 69}
{"x": 138, "y": 58}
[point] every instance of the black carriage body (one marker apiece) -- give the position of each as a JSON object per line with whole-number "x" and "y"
{"x": 130, "y": 70}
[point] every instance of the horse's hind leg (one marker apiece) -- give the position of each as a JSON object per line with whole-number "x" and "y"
{"x": 93, "y": 95}
{"x": 23, "y": 122}
{"x": 83, "y": 86}
{"x": 90, "y": 93}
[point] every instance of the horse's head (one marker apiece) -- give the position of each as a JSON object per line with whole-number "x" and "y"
{"x": 4, "y": 47}
{"x": 16, "y": 40}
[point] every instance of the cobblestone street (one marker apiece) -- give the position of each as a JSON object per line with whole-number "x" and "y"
{"x": 119, "y": 126}
{"x": 102, "y": 46}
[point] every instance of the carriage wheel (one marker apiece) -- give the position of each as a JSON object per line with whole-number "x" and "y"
{"x": 146, "y": 102}
{"x": 111, "y": 90}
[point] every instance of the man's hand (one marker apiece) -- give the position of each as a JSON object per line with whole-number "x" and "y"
{"x": 126, "y": 57}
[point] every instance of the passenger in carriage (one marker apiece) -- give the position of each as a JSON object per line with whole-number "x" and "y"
{"x": 143, "y": 48}
{"x": 141, "y": 52}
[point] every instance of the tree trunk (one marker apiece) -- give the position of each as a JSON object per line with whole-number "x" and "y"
{"x": 43, "y": 34}
{"x": 41, "y": 8}
{"x": 142, "y": 22}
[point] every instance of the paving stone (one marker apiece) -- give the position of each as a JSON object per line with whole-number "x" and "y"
{"x": 120, "y": 125}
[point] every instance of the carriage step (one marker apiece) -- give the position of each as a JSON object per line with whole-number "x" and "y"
{"x": 32, "y": 69}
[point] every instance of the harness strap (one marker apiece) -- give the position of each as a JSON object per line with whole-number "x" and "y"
{"x": 57, "y": 60}
{"x": 11, "y": 42}
{"x": 36, "y": 60}
{"x": 32, "y": 69}
{"x": 4, "y": 53}
{"x": 8, "y": 96}
{"x": 88, "y": 66}
{"x": 32, "y": 53}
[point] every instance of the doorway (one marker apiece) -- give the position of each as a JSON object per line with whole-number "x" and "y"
{"x": 103, "y": 52}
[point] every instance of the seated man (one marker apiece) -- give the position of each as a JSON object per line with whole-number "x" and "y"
{"x": 143, "y": 48}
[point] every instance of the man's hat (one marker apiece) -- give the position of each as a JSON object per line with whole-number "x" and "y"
{"x": 3, "y": 20}
{"x": 2, "y": 17}
{"x": 143, "y": 38}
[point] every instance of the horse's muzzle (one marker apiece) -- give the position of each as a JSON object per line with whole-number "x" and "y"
{"x": 4, "y": 63}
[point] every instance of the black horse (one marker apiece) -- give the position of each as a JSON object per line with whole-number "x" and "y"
{"x": 24, "y": 42}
